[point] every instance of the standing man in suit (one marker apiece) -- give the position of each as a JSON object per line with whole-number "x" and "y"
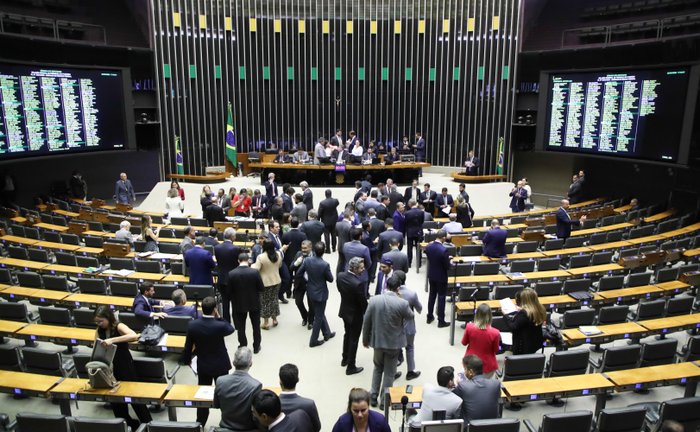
{"x": 463, "y": 192}
{"x": 299, "y": 211}
{"x": 144, "y": 302}
{"x": 409, "y": 326}
{"x": 234, "y": 394}
{"x": 438, "y": 267}
{"x": 328, "y": 215}
{"x": 307, "y": 195}
{"x": 290, "y": 399}
{"x": 427, "y": 198}
{"x": 271, "y": 188}
{"x": 395, "y": 198}
{"x": 444, "y": 201}
{"x": 400, "y": 219}
{"x": 419, "y": 147}
{"x": 398, "y": 258}
{"x": 495, "y": 241}
{"x": 337, "y": 139}
{"x": 226, "y": 254}
{"x": 353, "y": 304}
{"x": 414, "y": 229}
{"x": 244, "y": 286}
{"x": 258, "y": 204}
{"x": 318, "y": 274}
{"x": 376, "y": 225}
{"x": 205, "y": 340}
{"x": 200, "y": 263}
{"x": 519, "y": 195}
{"x": 388, "y": 236}
{"x": 287, "y": 198}
{"x": 472, "y": 164}
{"x": 383, "y": 330}
{"x": 276, "y": 210}
{"x": 293, "y": 239}
{"x": 313, "y": 228}
{"x": 124, "y": 191}
{"x": 320, "y": 151}
{"x": 385, "y": 272}
{"x": 267, "y": 410}
{"x": 564, "y": 221}
{"x": 412, "y": 192}
{"x": 307, "y": 317}
{"x": 383, "y": 207}
{"x": 355, "y": 248}
{"x": 342, "y": 230}
{"x": 575, "y": 188}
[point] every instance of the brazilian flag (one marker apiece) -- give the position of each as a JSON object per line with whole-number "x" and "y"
{"x": 178, "y": 157}
{"x": 499, "y": 167}
{"x": 231, "y": 139}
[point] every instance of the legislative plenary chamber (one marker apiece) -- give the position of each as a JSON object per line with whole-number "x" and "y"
{"x": 349, "y": 216}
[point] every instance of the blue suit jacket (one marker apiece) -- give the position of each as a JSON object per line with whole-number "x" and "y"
{"x": 420, "y": 149}
{"x": 495, "y": 243}
{"x": 414, "y": 222}
{"x": 124, "y": 192}
{"x": 182, "y": 311}
{"x": 517, "y": 204}
{"x": 200, "y": 263}
{"x": 385, "y": 238}
{"x": 441, "y": 200}
{"x": 205, "y": 339}
{"x": 356, "y": 249}
{"x": 399, "y": 222}
{"x": 376, "y": 423}
{"x": 144, "y": 306}
{"x": 319, "y": 273}
{"x": 226, "y": 260}
{"x": 271, "y": 190}
{"x": 438, "y": 262}
{"x": 564, "y": 223}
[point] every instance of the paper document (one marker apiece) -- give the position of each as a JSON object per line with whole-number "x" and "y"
{"x": 144, "y": 254}
{"x": 446, "y": 210}
{"x": 163, "y": 340}
{"x": 507, "y": 306}
{"x": 507, "y": 338}
{"x": 205, "y": 393}
{"x": 122, "y": 272}
{"x": 516, "y": 275}
{"x": 193, "y": 365}
{"x": 590, "y": 330}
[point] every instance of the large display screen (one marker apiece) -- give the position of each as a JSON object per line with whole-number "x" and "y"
{"x": 49, "y": 110}
{"x": 636, "y": 114}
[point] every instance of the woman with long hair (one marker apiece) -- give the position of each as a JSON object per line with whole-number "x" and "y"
{"x": 483, "y": 340}
{"x": 149, "y": 235}
{"x": 174, "y": 204}
{"x": 180, "y": 191}
{"x": 112, "y": 332}
{"x": 526, "y": 323}
{"x": 465, "y": 212}
{"x": 359, "y": 418}
{"x": 269, "y": 263}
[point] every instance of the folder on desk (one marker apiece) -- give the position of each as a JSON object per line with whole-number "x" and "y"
{"x": 590, "y": 330}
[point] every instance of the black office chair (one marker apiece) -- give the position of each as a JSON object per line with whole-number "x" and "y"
{"x": 42, "y": 422}
{"x": 579, "y": 261}
{"x": 470, "y": 250}
{"x": 679, "y": 305}
{"x": 617, "y": 358}
{"x": 41, "y": 255}
{"x": 574, "y": 242}
{"x": 522, "y": 366}
{"x": 611, "y": 282}
{"x": 607, "y": 220}
{"x": 691, "y": 350}
{"x": 83, "y": 424}
{"x": 46, "y": 362}
{"x": 598, "y": 238}
{"x": 133, "y": 321}
{"x": 614, "y": 236}
{"x": 573, "y": 421}
{"x": 565, "y": 363}
{"x": 548, "y": 288}
{"x": 121, "y": 264}
{"x": 71, "y": 239}
{"x": 625, "y": 419}
{"x": 169, "y": 248}
{"x": 522, "y": 266}
{"x": 10, "y": 359}
{"x": 32, "y": 233}
{"x": 553, "y": 244}
{"x": 29, "y": 279}
{"x": 6, "y": 276}
{"x": 175, "y": 324}
{"x": 177, "y": 267}
{"x": 84, "y": 318}
{"x": 55, "y": 315}
{"x": 147, "y": 266}
{"x": 52, "y": 236}
{"x": 667, "y": 275}
{"x": 56, "y": 283}
{"x": 527, "y": 246}
{"x": 494, "y": 425}
{"x": 577, "y": 317}
{"x": 164, "y": 291}
{"x": 548, "y": 264}
{"x": 612, "y": 314}
{"x": 86, "y": 261}
{"x": 461, "y": 269}
{"x": 65, "y": 258}
{"x": 123, "y": 288}
{"x": 506, "y": 291}
{"x": 198, "y": 222}
{"x": 81, "y": 360}
{"x": 16, "y": 312}
{"x": 575, "y": 285}
{"x": 94, "y": 241}
{"x": 686, "y": 411}
{"x": 92, "y": 286}
{"x": 658, "y": 352}
{"x": 163, "y": 426}
{"x": 639, "y": 279}
{"x": 481, "y": 269}
{"x": 199, "y": 292}
{"x": 648, "y": 310}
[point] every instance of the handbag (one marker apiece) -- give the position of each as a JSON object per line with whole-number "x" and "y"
{"x": 151, "y": 335}
{"x": 552, "y": 334}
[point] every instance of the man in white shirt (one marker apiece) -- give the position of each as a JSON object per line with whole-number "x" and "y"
{"x": 124, "y": 232}
{"x": 357, "y": 149}
{"x": 439, "y": 398}
{"x": 453, "y": 227}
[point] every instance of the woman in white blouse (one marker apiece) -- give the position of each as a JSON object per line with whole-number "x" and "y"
{"x": 174, "y": 204}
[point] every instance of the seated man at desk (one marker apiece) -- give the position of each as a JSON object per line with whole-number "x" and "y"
{"x": 124, "y": 233}
{"x": 439, "y": 398}
{"x": 281, "y": 157}
{"x": 479, "y": 394}
{"x": 180, "y": 307}
{"x": 392, "y": 156}
{"x": 495, "y": 241}
{"x": 301, "y": 156}
{"x": 144, "y": 303}
{"x": 453, "y": 227}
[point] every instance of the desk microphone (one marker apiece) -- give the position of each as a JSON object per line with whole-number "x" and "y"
{"x": 404, "y": 402}
{"x": 472, "y": 297}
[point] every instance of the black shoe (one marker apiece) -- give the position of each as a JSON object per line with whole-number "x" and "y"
{"x": 284, "y": 300}
{"x": 412, "y": 375}
{"x": 256, "y": 350}
{"x": 399, "y": 362}
{"x": 315, "y": 344}
{"x": 309, "y": 326}
{"x": 430, "y": 320}
{"x": 289, "y": 294}
{"x": 443, "y": 324}
{"x": 330, "y": 336}
{"x": 397, "y": 375}
{"x": 373, "y": 401}
{"x": 343, "y": 363}
{"x": 304, "y": 323}
{"x": 353, "y": 370}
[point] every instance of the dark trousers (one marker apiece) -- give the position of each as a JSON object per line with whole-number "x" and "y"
{"x": 299, "y": 295}
{"x": 286, "y": 285}
{"x": 438, "y": 291}
{"x": 411, "y": 244}
{"x": 320, "y": 322}
{"x": 225, "y": 303}
{"x": 373, "y": 268}
{"x": 121, "y": 410}
{"x": 340, "y": 267}
{"x": 205, "y": 379}
{"x": 330, "y": 235}
{"x": 351, "y": 339}
{"x": 239, "y": 322}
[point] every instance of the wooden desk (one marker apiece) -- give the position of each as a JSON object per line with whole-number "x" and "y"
{"x": 8, "y": 327}
{"x": 538, "y": 276}
{"x": 567, "y": 251}
{"x": 57, "y": 246}
{"x": 171, "y": 343}
{"x": 24, "y": 265}
{"x": 672, "y": 287}
{"x": 610, "y": 332}
{"x": 630, "y": 295}
{"x": 127, "y": 391}
{"x": 176, "y": 279}
{"x": 649, "y": 239}
{"x": 67, "y": 270}
{"x": 28, "y": 384}
{"x": 608, "y": 246}
{"x": 622, "y": 209}
{"x": 656, "y": 376}
{"x": 66, "y": 213}
{"x": 51, "y": 227}
{"x": 520, "y": 256}
{"x": 90, "y": 251}
{"x": 469, "y": 259}
{"x": 18, "y": 240}
{"x": 460, "y": 176}
{"x": 595, "y": 270}
{"x": 476, "y": 280}
{"x": 183, "y": 395}
{"x": 474, "y": 229}
{"x": 614, "y": 227}
{"x": 34, "y": 295}
{"x": 57, "y": 334}
{"x": 691, "y": 321}
{"x": 692, "y": 253}
{"x": 660, "y": 216}
{"x": 662, "y": 325}
{"x": 93, "y": 300}
{"x": 142, "y": 276}
{"x": 394, "y": 395}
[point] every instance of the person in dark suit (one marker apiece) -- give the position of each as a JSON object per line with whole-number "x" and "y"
{"x": 495, "y": 241}
{"x": 355, "y": 248}
{"x": 328, "y": 215}
{"x": 213, "y": 213}
{"x": 385, "y": 272}
{"x": 564, "y": 221}
{"x": 180, "y": 307}
{"x": 444, "y": 200}
{"x": 353, "y": 304}
{"x": 271, "y": 187}
{"x": 318, "y": 273}
{"x": 307, "y": 195}
{"x": 292, "y": 239}
{"x": 472, "y": 164}
{"x": 144, "y": 302}
{"x": 400, "y": 219}
{"x": 359, "y": 416}
{"x": 412, "y": 192}
{"x": 427, "y": 198}
{"x": 465, "y": 212}
{"x": 281, "y": 157}
{"x": 383, "y": 207}
{"x": 376, "y": 225}
{"x": 438, "y": 267}
{"x": 313, "y": 228}
{"x": 307, "y": 317}
{"x": 480, "y": 395}
{"x": 399, "y": 259}
{"x": 244, "y": 286}
{"x": 394, "y": 199}
{"x": 200, "y": 263}
{"x": 226, "y": 254}
{"x": 205, "y": 339}
{"x": 366, "y": 184}
{"x": 287, "y": 198}
{"x": 342, "y": 230}
{"x": 340, "y": 155}
{"x": 337, "y": 139}
{"x": 259, "y": 204}
{"x": 291, "y": 401}
{"x": 463, "y": 192}
{"x": 77, "y": 186}
{"x": 387, "y": 236}
{"x": 419, "y": 148}
{"x": 414, "y": 229}
{"x": 276, "y": 210}
{"x": 211, "y": 239}
{"x": 267, "y": 410}
{"x": 124, "y": 191}
{"x": 519, "y": 195}
{"x": 575, "y": 189}
{"x": 234, "y": 394}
